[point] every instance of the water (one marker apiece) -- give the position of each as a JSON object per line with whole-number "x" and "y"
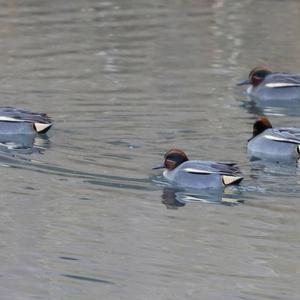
{"x": 81, "y": 216}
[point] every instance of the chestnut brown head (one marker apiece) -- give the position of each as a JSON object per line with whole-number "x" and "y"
{"x": 257, "y": 76}
{"x": 173, "y": 158}
{"x": 260, "y": 125}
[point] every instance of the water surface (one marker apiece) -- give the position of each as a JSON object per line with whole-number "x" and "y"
{"x": 125, "y": 81}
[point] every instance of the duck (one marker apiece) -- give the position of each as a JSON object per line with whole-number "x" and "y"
{"x": 14, "y": 121}
{"x": 280, "y": 144}
{"x": 186, "y": 173}
{"x": 266, "y": 85}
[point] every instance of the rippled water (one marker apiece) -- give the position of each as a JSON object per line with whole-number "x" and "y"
{"x": 82, "y": 213}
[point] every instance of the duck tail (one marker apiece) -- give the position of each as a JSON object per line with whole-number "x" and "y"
{"x": 227, "y": 180}
{"x": 42, "y": 127}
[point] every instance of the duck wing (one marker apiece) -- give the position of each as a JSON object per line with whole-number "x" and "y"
{"x": 286, "y": 135}
{"x": 229, "y": 172}
{"x": 209, "y": 167}
{"x": 226, "y": 168}
{"x": 281, "y": 80}
{"x": 23, "y": 115}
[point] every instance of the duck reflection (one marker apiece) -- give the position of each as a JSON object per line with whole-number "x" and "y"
{"x": 273, "y": 179}
{"x": 261, "y": 168}
{"x": 23, "y": 144}
{"x": 174, "y": 198}
{"x": 260, "y": 107}
{"x": 170, "y": 200}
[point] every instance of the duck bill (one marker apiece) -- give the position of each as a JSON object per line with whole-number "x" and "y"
{"x": 162, "y": 166}
{"x": 244, "y": 82}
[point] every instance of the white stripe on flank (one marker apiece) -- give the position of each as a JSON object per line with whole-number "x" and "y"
{"x": 281, "y": 84}
{"x": 274, "y": 138}
{"x": 279, "y": 139}
{"x": 10, "y": 119}
{"x": 197, "y": 171}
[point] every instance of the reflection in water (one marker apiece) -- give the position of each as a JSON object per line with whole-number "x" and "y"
{"x": 251, "y": 107}
{"x": 23, "y": 144}
{"x": 170, "y": 199}
{"x": 272, "y": 108}
{"x": 174, "y": 198}
{"x": 268, "y": 178}
{"x": 262, "y": 167}
{"x": 178, "y": 197}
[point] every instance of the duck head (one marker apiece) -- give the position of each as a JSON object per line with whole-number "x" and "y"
{"x": 256, "y": 76}
{"x": 260, "y": 125}
{"x": 173, "y": 158}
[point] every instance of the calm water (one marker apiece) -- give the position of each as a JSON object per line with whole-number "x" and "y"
{"x": 81, "y": 215}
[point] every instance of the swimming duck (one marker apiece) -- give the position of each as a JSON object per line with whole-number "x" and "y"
{"x": 266, "y": 85}
{"x": 196, "y": 173}
{"x": 21, "y": 121}
{"x": 274, "y": 143}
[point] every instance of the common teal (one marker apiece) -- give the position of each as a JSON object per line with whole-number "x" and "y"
{"x": 187, "y": 173}
{"x": 265, "y": 85}
{"x": 20, "y": 121}
{"x": 274, "y": 143}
